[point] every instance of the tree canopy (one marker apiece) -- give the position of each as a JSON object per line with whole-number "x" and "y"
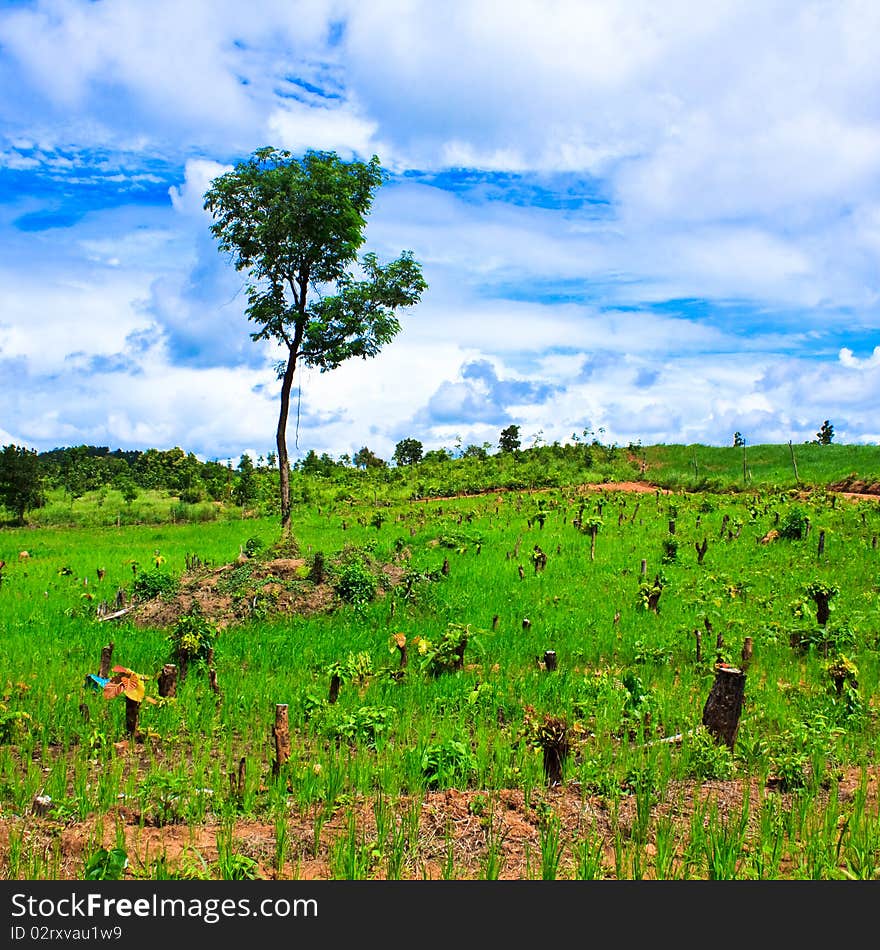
{"x": 21, "y": 480}
{"x": 509, "y": 440}
{"x": 296, "y": 225}
{"x": 408, "y": 452}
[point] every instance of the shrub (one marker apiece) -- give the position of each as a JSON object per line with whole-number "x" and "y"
{"x": 794, "y": 525}
{"x": 154, "y": 583}
{"x": 355, "y": 583}
{"x": 192, "y": 639}
{"x": 448, "y": 764}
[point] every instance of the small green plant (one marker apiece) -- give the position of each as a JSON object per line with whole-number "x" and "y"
{"x": 253, "y": 546}
{"x": 448, "y": 764}
{"x": 367, "y": 725}
{"x": 707, "y": 758}
{"x": 670, "y": 550}
{"x": 447, "y": 654}
{"x": 795, "y": 524}
{"x": 192, "y": 639}
{"x": 105, "y": 865}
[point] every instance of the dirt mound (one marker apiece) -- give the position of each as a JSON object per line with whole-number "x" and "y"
{"x": 857, "y": 487}
{"x": 250, "y": 589}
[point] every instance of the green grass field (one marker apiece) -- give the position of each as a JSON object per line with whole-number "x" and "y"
{"x": 413, "y": 771}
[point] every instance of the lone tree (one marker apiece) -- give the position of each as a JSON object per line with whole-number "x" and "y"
{"x": 295, "y": 225}
{"x": 509, "y": 440}
{"x": 825, "y": 435}
{"x": 21, "y": 480}
{"x": 408, "y": 452}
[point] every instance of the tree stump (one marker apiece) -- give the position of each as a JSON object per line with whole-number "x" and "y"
{"x": 724, "y": 704}
{"x": 132, "y": 713}
{"x": 550, "y": 659}
{"x": 334, "y": 689}
{"x": 167, "y": 680}
{"x": 555, "y": 743}
{"x": 106, "y": 659}
{"x": 281, "y": 733}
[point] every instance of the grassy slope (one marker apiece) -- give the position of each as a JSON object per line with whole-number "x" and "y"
{"x": 721, "y": 468}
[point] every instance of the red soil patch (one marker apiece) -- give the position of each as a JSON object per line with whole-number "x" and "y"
{"x": 452, "y": 830}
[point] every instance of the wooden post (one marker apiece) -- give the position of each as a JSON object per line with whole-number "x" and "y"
{"x": 334, "y": 689}
{"x": 526, "y": 623}
{"x": 724, "y": 704}
{"x": 495, "y": 622}
{"x": 167, "y": 680}
{"x": 106, "y": 658}
{"x": 212, "y": 679}
{"x": 821, "y": 550}
{"x": 550, "y": 659}
{"x": 644, "y": 568}
{"x": 132, "y": 712}
{"x": 672, "y": 527}
{"x": 445, "y": 569}
{"x": 281, "y": 732}
{"x": 794, "y": 463}
{"x": 699, "y": 638}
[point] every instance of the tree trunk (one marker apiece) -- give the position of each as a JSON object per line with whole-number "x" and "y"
{"x": 724, "y": 704}
{"x": 281, "y": 441}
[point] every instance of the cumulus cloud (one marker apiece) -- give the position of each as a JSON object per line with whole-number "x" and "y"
{"x": 666, "y": 223}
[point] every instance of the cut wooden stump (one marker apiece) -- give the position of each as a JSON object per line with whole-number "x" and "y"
{"x": 106, "y": 660}
{"x": 132, "y": 713}
{"x": 724, "y": 704}
{"x": 167, "y": 681}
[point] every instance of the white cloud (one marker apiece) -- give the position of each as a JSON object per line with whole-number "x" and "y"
{"x": 297, "y": 127}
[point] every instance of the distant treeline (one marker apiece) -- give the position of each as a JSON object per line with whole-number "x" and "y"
{"x": 28, "y": 477}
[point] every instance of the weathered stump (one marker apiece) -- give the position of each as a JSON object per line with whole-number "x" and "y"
{"x": 550, "y": 659}
{"x": 724, "y": 704}
{"x": 167, "y": 681}
{"x": 555, "y": 744}
{"x": 132, "y": 713}
{"x": 334, "y": 689}
{"x": 106, "y": 659}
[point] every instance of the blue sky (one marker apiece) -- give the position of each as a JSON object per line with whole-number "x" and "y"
{"x": 661, "y": 220}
